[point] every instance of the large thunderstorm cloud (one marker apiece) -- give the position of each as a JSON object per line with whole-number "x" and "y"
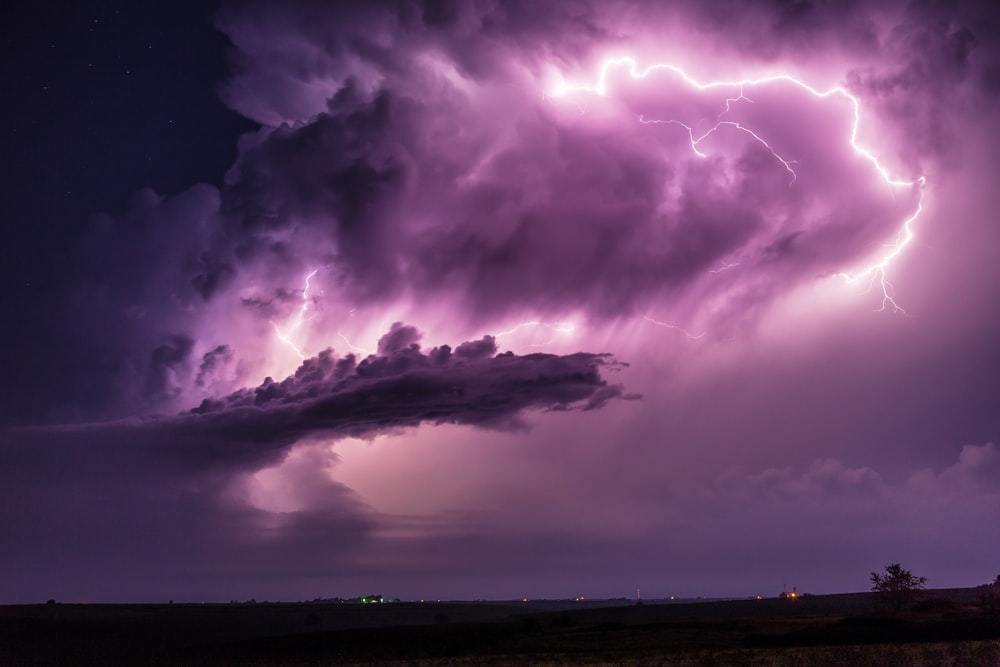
{"x": 549, "y": 182}
{"x": 415, "y": 165}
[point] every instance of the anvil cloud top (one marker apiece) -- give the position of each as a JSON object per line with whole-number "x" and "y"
{"x": 494, "y": 299}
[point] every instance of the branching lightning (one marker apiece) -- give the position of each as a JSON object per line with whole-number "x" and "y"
{"x": 297, "y": 320}
{"x": 725, "y": 266}
{"x": 875, "y": 272}
{"x": 726, "y": 123}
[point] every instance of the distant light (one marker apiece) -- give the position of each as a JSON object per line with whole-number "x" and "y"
{"x": 524, "y": 599}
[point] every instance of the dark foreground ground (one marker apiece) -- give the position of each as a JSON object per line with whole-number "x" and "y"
{"x": 948, "y": 629}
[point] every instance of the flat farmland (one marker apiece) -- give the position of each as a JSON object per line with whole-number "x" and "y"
{"x": 949, "y": 629}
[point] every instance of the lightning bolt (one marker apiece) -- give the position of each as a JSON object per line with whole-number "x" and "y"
{"x": 557, "y": 327}
{"x": 298, "y": 319}
{"x": 354, "y": 347}
{"x": 727, "y": 123}
{"x": 876, "y": 272}
{"x": 725, "y": 266}
{"x": 667, "y": 325}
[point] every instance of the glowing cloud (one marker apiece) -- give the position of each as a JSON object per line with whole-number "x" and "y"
{"x": 736, "y": 93}
{"x": 284, "y": 334}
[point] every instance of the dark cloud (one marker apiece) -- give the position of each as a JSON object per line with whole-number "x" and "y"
{"x": 401, "y": 336}
{"x": 216, "y": 274}
{"x": 931, "y": 53}
{"x": 170, "y": 493}
{"x": 774, "y": 28}
{"x": 401, "y": 386}
{"x": 212, "y": 362}
{"x": 132, "y": 301}
{"x": 321, "y": 46}
{"x": 167, "y": 361}
{"x": 108, "y": 513}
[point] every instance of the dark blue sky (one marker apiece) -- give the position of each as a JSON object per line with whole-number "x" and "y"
{"x": 101, "y": 99}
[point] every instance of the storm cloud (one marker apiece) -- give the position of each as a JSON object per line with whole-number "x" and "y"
{"x": 414, "y": 155}
{"x": 333, "y": 398}
{"x": 783, "y": 238}
{"x": 192, "y": 473}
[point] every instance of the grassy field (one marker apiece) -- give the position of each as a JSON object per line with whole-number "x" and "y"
{"x": 816, "y": 631}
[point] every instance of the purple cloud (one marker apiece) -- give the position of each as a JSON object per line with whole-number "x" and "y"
{"x": 414, "y": 154}
{"x": 333, "y": 398}
{"x": 462, "y": 166}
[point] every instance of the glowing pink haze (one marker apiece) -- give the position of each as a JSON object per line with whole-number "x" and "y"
{"x": 545, "y": 300}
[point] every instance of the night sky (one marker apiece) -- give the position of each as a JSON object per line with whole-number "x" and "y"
{"x": 498, "y": 299}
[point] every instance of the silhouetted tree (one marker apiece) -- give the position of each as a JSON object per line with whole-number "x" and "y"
{"x": 990, "y": 597}
{"x": 897, "y": 587}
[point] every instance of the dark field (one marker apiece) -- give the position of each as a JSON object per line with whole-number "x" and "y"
{"x": 948, "y": 629}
